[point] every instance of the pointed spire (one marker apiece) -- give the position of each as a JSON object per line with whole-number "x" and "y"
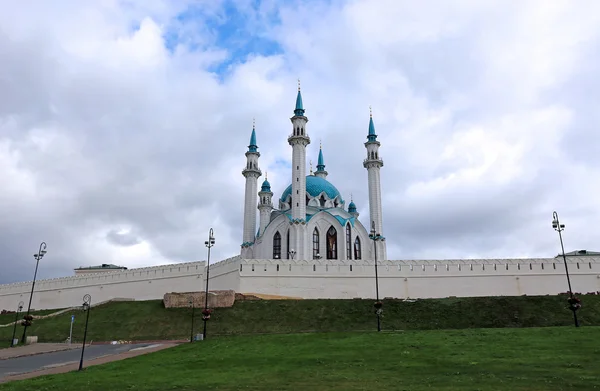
{"x": 372, "y": 135}
{"x": 321, "y": 161}
{"x": 253, "y": 147}
{"x": 299, "y": 107}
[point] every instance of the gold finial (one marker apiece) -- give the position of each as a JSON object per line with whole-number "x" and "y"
{"x": 253, "y": 123}
{"x": 351, "y": 200}
{"x": 320, "y": 144}
{"x": 266, "y": 175}
{"x": 298, "y": 84}
{"x": 370, "y": 111}
{"x": 311, "y": 171}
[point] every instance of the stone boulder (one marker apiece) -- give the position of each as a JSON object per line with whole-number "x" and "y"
{"x": 216, "y": 299}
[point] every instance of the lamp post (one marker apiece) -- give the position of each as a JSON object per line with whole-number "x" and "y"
{"x": 40, "y": 254}
{"x": 378, "y": 305}
{"x": 87, "y": 301}
{"x": 193, "y": 308}
{"x": 574, "y": 303}
{"x": 292, "y": 252}
{"x": 206, "y": 312}
{"x": 19, "y": 308}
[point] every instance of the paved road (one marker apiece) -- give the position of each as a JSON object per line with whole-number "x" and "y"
{"x": 33, "y": 363}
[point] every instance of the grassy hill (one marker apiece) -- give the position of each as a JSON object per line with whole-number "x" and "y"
{"x": 561, "y": 358}
{"x": 149, "y": 320}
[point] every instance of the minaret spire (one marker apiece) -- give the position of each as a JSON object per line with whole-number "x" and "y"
{"x": 251, "y": 173}
{"x": 321, "y": 164}
{"x": 373, "y": 164}
{"x": 298, "y": 140}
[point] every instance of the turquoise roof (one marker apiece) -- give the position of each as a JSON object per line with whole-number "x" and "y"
{"x": 314, "y": 186}
{"x": 352, "y": 207}
{"x": 299, "y": 107}
{"x": 266, "y": 186}
{"x": 321, "y": 162}
{"x": 372, "y": 136}
{"x": 253, "y": 147}
{"x": 340, "y": 219}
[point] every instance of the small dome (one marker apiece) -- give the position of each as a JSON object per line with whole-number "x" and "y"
{"x": 266, "y": 186}
{"x": 352, "y": 207}
{"x": 314, "y": 186}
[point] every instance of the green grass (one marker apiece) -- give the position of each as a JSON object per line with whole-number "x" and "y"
{"x": 149, "y": 320}
{"x": 557, "y": 358}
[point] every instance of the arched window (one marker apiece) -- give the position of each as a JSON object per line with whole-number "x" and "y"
{"x": 316, "y": 252}
{"x": 277, "y": 245}
{"x": 372, "y": 155}
{"x": 331, "y": 243}
{"x": 348, "y": 242}
{"x": 288, "y": 244}
{"x": 357, "y": 250}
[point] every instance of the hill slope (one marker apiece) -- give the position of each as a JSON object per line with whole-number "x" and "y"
{"x": 149, "y": 320}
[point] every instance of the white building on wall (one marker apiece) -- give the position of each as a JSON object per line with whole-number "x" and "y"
{"x": 311, "y": 221}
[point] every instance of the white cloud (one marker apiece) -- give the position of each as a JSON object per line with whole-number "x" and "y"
{"x": 484, "y": 123}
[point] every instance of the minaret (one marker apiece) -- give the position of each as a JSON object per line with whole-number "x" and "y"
{"x": 251, "y": 173}
{"x": 265, "y": 205}
{"x": 298, "y": 140}
{"x": 321, "y": 165}
{"x": 373, "y": 165}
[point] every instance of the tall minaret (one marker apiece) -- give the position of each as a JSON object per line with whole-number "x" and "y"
{"x": 265, "y": 205}
{"x": 373, "y": 165}
{"x": 251, "y": 173}
{"x": 321, "y": 165}
{"x": 298, "y": 140}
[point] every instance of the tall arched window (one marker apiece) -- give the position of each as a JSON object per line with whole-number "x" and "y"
{"x": 331, "y": 243}
{"x": 288, "y": 244}
{"x": 348, "y": 242}
{"x": 316, "y": 252}
{"x": 277, "y": 245}
{"x": 357, "y": 250}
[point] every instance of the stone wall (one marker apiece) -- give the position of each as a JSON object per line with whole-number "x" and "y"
{"x": 216, "y": 299}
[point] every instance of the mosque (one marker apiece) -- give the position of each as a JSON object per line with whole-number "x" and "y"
{"x": 313, "y": 246}
{"x": 311, "y": 221}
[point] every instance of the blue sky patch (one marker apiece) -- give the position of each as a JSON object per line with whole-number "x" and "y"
{"x": 239, "y": 31}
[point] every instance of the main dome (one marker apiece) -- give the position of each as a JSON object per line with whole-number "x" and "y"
{"x": 314, "y": 186}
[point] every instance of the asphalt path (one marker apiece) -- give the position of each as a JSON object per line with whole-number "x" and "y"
{"x": 47, "y": 360}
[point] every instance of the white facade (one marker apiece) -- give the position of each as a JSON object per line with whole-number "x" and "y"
{"x": 312, "y": 279}
{"x": 311, "y": 221}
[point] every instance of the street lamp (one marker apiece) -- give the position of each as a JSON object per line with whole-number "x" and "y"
{"x": 378, "y": 304}
{"x": 19, "y": 308}
{"x": 193, "y": 308}
{"x": 206, "y": 312}
{"x": 40, "y": 254}
{"x": 574, "y": 303}
{"x": 87, "y": 301}
{"x": 292, "y": 252}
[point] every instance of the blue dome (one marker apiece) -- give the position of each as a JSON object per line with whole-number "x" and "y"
{"x": 314, "y": 186}
{"x": 266, "y": 186}
{"x": 352, "y": 207}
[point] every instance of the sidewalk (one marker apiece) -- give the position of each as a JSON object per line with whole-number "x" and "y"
{"x": 36, "y": 348}
{"x": 69, "y": 367}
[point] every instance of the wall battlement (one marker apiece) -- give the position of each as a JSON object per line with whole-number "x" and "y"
{"x": 318, "y": 279}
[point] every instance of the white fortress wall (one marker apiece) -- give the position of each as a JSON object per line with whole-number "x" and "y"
{"x": 147, "y": 283}
{"x": 318, "y": 279}
{"x": 223, "y": 275}
{"x": 420, "y": 278}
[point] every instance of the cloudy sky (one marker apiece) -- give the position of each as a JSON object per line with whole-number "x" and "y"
{"x": 123, "y": 124}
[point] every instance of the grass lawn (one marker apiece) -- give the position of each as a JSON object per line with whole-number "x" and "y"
{"x": 553, "y": 358}
{"x": 149, "y": 320}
